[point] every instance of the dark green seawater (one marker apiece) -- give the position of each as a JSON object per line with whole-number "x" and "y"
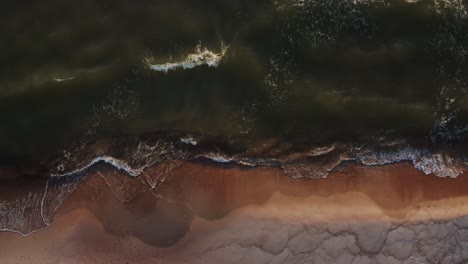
{"x": 269, "y": 79}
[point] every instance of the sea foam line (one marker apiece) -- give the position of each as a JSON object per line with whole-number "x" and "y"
{"x": 21, "y": 233}
{"x": 439, "y": 164}
{"x": 202, "y": 56}
{"x": 117, "y": 163}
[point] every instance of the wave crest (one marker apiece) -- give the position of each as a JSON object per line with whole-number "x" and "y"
{"x": 201, "y": 56}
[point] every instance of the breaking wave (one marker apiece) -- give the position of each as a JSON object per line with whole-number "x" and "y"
{"x": 201, "y": 56}
{"x": 317, "y": 162}
{"x": 116, "y": 163}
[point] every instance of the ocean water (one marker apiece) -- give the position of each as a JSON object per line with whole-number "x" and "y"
{"x": 302, "y": 85}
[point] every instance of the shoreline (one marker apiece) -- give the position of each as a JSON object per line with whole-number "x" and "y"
{"x": 177, "y": 211}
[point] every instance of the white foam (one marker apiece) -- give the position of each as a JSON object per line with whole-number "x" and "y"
{"x": 202, "y": 56}
{"x": 299, "y": 166}
{"x": 441, "y": 165}
{"x": 189, "y": 140}
{"x": 246, "y": 163}
{"x": 218, "y": 158}
{"x": 21, "y": 215}
{"x": 117, "y": 163}
{"x": 321, "y": 151}
{"x": 23, "y": 234}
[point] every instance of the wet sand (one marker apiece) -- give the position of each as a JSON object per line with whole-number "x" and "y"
{"x": 206, "y": 213}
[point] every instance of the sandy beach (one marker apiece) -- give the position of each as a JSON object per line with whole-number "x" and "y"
{"x": 206, "y": 213}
